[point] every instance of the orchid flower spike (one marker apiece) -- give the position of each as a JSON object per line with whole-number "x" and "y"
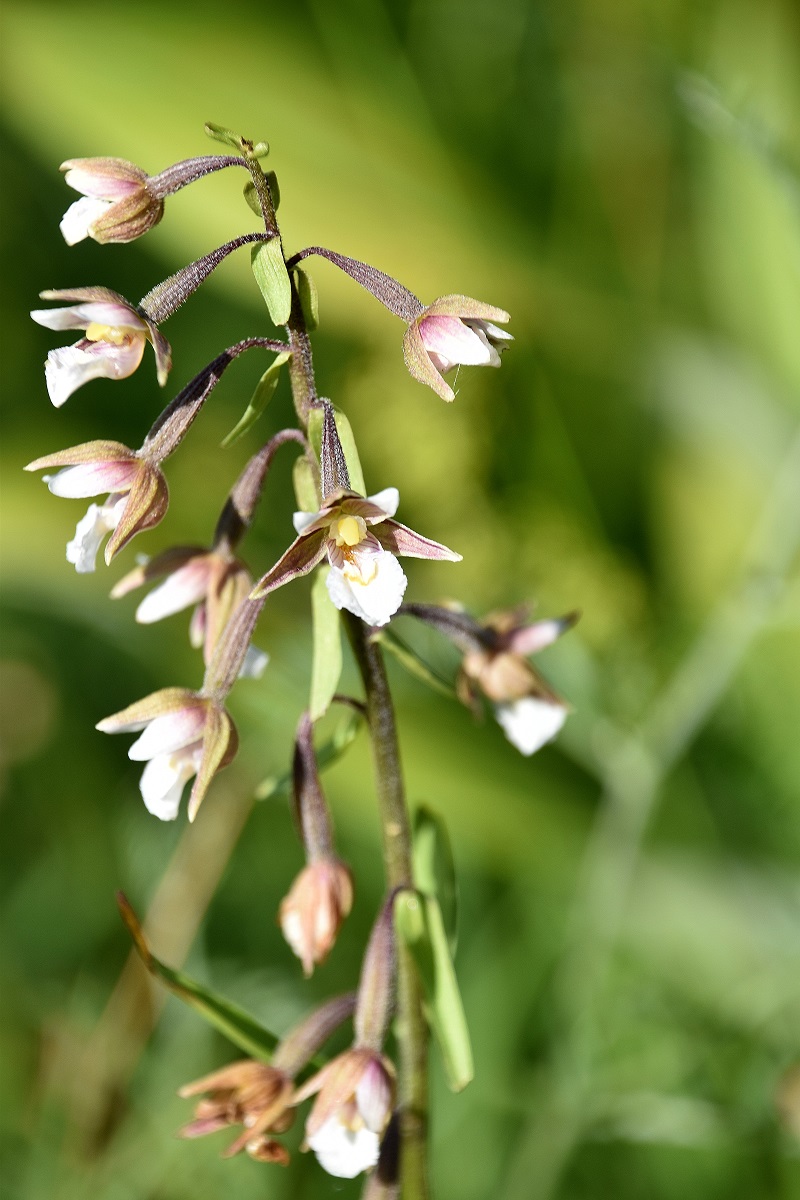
{"x": 183, "y": 735}
{"x": 117, "y": 203}
{"x": 495, "y": 665}
{"x": 453, "y": 330}
{"x": 137, "y": 496}
{"x": 116, "y": 333}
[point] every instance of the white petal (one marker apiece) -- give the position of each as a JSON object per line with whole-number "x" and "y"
{"x": 376, "y": 600}
{"x": 79, "y": 216}
{"x": 188, "y": 585}
{"x": 92, "y": 479}
{"x": 303, "y": 521}
{"x": 255, "y": 663}
{"x": 345, "y": 1152}
{"x": 388, "y": 500}
{"x": 69, "y": 367}
{"x": 450, "y": 338}
{"x": 168, "y": 733}
{"x": 530, "y": 723}
{"x": 99, "y": 520}
{"x": 163, "y": 781}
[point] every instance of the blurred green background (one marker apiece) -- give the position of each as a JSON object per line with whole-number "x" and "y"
{"x": 623, "y": 177}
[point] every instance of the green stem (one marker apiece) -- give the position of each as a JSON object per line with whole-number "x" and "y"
{"x": 412, "y": 1031}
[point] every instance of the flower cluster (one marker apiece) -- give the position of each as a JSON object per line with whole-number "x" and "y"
{"x": 186, "y": 734}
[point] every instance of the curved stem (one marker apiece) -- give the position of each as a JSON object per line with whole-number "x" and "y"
{"x": 412, "y": 1030}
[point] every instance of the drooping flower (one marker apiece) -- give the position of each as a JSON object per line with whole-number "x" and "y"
{"x": 183, "y": 735}
{"x": 252, "y": 1094}
{"x": 495, "y": 665}
{"x": 116, "y": 333}
{"x": 361, "y": 541}
{"x": 260, "y": 1096}
{"x": 353, "y": 1107}
{"x": 453, "y": 330}
{"x": 116, "y": 205}
{"x": 212, "y": 580}
{"x": 137, "y": 496}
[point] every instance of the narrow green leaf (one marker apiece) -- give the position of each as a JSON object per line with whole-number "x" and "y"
{"x": 251, "y": 195}
{"x": 327, "y": 754}
{"x": 412, "y": 662}
{"x": 348, "y": 445}
{"x": 273, "y": 279}
{"x": 419, "y": 923}
{"x": 309, "y": 299}
{"x": 236, "y": 1024}
{"x": 220, "y": 134}
{"x": 434, "y": 869}
{"x": 306, "y": 490}
{"x": 326, "y": 667}
{"x": 265, "y": 390}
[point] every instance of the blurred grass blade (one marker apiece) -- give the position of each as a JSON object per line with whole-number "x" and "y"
{"x": 413, "y": 663}
{"x": 348, "y": 444}
{"x": 327, "y": 754}
{"x": 326, "y": 667}
{"x": 236, "y": 1024}
{"x": 419, "y": 923}
{"x": 265, "y": 390}
{"x": 273, "y": 279}
{"x": 434, "y": 869}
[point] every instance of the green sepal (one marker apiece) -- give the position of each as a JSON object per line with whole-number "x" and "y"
{"x": 326, "y": 668}
{"x": 251, "y": 195}
{"x": 273, "y": 279}
{"x": 236, "y": 1024}
{"x": 305, "y": 485}
{"x": 412, "y": 662}
{"x": 348, "y": 444}
{"x": 265, "y": 389}
{"x": 434, "y": 869}
{"x": 309, "y": 299}
{"x": 327, "y": 754}
{"x": 418, "y": 920}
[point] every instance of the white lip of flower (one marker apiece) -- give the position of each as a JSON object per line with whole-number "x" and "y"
{"x": 98, "y": 521}
{"x": 112, "y": 348}
{"x": 80, "y": 216}
{"x": 344, "y": 1146}
{"x": 529, "y": 723}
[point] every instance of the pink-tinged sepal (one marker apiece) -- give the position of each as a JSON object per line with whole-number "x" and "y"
{"x": 399, "y": 539}
{"x": 530, "y": 639}
{"x": 248, "y": 1093}
{"x": 453, "y": 330}
{"x": 147, "y": 504}
{"x": 303, "y": 555}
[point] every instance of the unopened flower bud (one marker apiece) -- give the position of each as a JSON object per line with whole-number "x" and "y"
{"x": 117, "y": 204}
{"x": 313, "y": 911}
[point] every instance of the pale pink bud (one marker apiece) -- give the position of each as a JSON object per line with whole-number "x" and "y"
{"x": 117, "y": 203}
{"x": 313, "y": 911}
{"x": 453, "y": 330}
